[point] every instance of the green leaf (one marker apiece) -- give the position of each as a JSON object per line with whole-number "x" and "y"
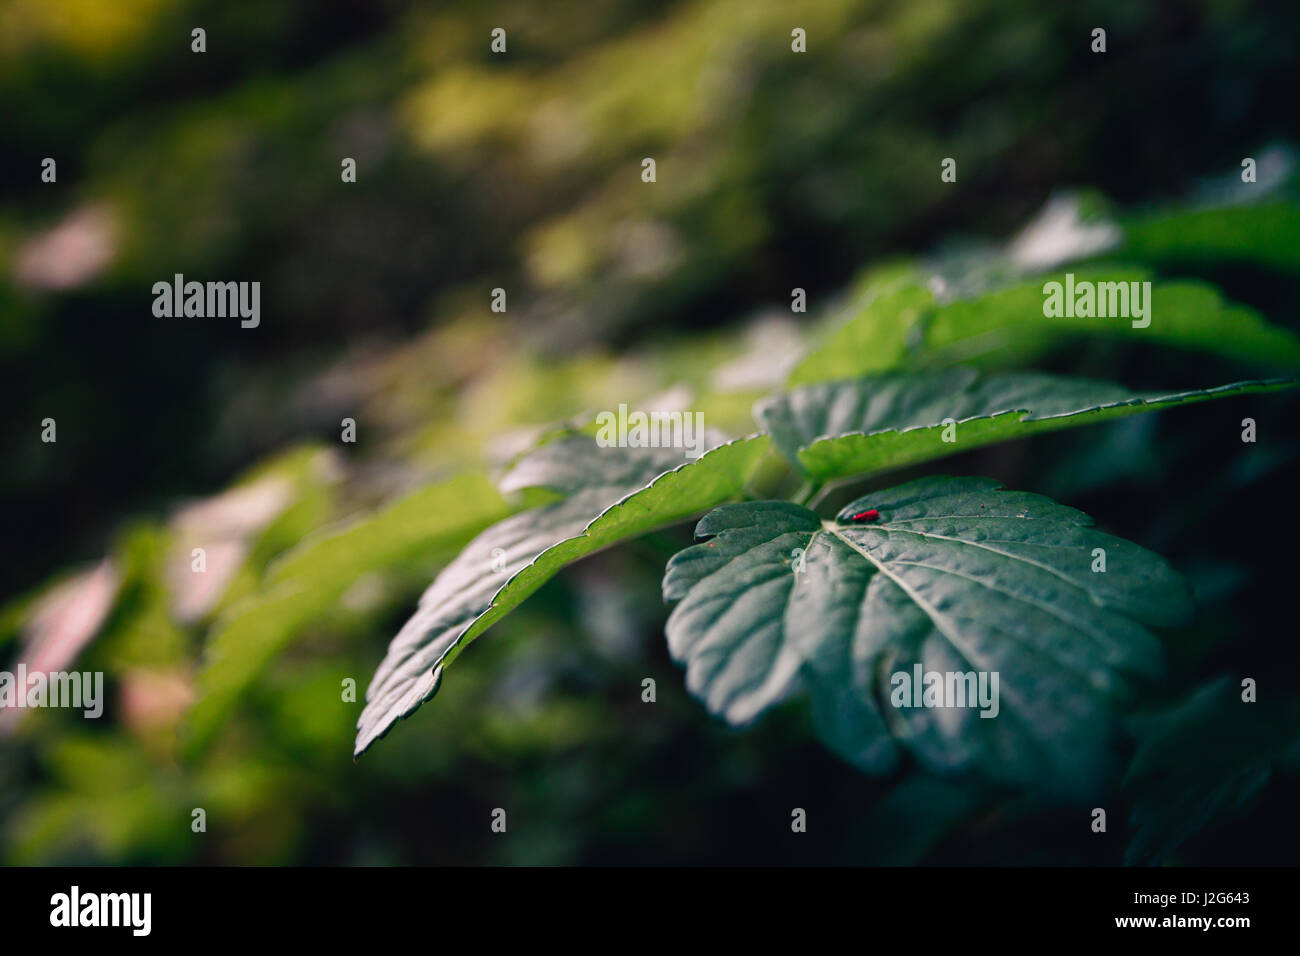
{"x": 857, "y": 427}
{"x": 1010, "y": 322}
{"x": 901, "y": 324}
{"x": 415, "y": 524}
{"x": 1266, "y": 233}
{"x": 876, "y": 337}
{"x": 309, "y": 580}
{"x": 1203, "y": 761}
{"x": 955, "y": 576}
{"x": 613, "y": 494}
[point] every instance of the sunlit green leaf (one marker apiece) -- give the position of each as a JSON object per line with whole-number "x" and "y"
{"x": 612, "y": 494}
{"x": 857, "y": 427}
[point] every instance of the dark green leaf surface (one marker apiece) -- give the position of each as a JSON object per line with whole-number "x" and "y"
{"x": 957, "y": 575}
{"x": 856, "y": 427}
{"x": 613, "y": 494}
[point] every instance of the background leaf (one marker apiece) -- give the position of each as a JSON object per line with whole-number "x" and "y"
{"x": 900, "y": 323}
{"x": 876, "y": 337}
{"x": 1265, "y": 233}
{"x": 309, "y": 580}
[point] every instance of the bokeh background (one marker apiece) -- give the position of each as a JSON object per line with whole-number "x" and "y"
{"x": 522, "y": 171}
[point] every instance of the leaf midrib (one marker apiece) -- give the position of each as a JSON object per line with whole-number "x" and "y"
{"x": 933, "y": 613}
{"x": 939, "y": 619}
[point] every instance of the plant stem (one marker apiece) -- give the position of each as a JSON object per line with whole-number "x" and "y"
{"x": 822, "y": 492}
{"x": 807, "y": 492}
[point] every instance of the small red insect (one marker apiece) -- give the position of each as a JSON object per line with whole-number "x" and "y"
{"x": 870, "y": 515}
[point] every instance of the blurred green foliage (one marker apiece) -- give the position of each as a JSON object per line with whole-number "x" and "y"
{"x": 521, "y": 171}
